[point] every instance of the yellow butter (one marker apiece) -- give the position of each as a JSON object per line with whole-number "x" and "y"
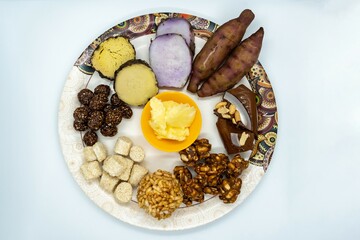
{"x": 171, "y": 120}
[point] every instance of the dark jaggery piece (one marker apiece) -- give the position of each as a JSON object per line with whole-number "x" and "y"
{"x": 248, "y": 99}
{"x": 226, "y": 128}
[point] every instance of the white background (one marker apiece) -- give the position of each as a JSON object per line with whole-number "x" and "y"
{"x": 311, "y": 53}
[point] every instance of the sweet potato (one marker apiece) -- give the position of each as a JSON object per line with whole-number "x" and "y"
{"x": 235, "y": 67}
{"x": 218, "y": 47}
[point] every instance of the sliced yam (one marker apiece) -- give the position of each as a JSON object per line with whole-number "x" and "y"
{"x": 170, "y": 59}
{"x": 135, "y": 82}
{"x": 179, "y": 26}
{"x": 111, "y": 54}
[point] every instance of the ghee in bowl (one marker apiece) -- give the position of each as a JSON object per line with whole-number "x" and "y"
{"x": 179, "y": 110}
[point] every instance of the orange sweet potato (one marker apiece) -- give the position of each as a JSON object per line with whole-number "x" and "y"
{"x": 235, "y": 67}
{"x": 218, "y": 47}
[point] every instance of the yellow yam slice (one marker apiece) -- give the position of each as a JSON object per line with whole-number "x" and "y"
{"x": 111, "y": 54}
{"x": 135, "y": 83}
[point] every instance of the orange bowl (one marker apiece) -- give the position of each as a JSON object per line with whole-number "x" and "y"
{"x": 166, "y": 144}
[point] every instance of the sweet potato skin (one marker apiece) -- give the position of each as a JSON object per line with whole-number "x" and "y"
{"x": 235, "y": 67}
{"x": 218, "y": 47}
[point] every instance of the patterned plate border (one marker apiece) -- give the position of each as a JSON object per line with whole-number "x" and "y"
{"x": 185, "y": 217}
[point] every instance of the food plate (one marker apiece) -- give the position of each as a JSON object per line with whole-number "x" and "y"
{"x": 141, "y": 30}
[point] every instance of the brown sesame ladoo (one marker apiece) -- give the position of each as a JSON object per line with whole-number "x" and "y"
{"x": 81, "y": 114}
{"x": 96, "y": 119}
{"x": 108, "y": 131}
{"x": 80, "y": 126}
{"x": 85, "y": 95}
{"x": 126, "y": 111}
{"x": 98, "y": 102}
{"x": 102, "y": 88}
{"x": 113, "y": 117}
{"x": 115, "y": 100}
{"x": 90, "y": 138}
{"x": 107, "y": 108}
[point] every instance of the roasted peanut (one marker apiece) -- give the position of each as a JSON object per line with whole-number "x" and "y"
{"x": 220, "y": 104}
{"x": 237, "y": 116}
{"x": 232, "y": 109}
{"x": 244, "y": 136}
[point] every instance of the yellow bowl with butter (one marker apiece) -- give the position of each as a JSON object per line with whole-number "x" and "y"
{"x": 168, "y": 145}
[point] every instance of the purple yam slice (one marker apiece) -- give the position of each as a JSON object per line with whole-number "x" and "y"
{"x": 179, "y": 26}
{"x": 170, "y": 59}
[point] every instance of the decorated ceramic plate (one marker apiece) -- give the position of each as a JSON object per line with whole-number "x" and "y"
{"x": 141, "y": 31}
